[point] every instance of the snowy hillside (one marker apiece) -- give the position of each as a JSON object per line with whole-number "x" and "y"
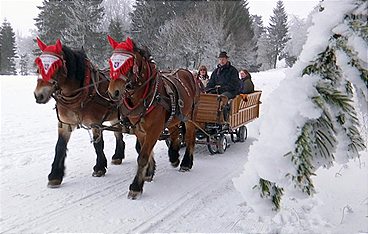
{"x": 202, "y": 200}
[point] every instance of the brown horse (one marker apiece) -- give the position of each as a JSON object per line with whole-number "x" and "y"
{"x": 152, "y": 102}
{"x": 78, "y": 89}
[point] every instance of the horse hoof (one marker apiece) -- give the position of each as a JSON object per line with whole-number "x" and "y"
{"x": 184, "y": 169}
{"x": 175, "y": 164}
{"x": 54, "y": 183}
{"x": 98, "y": 173}
{"x": 116, "y": 161}
{"x": 148, "y": 178}
{"x": 134, "y": 195}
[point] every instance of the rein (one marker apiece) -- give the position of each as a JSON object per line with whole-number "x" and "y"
{"x": 81, "y": 96}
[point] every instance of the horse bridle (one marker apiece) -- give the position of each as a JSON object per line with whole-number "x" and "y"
{"x": 54, "y": 83}
{"x": 133, "y": 83}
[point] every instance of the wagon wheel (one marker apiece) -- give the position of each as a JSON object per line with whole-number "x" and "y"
{"x": 234, "y": 137}
{"x": 221, "y": 144}
{"x": 242, "y": 133}
{"x": 212, "y": 148}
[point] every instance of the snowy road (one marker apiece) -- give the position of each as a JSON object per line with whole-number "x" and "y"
{"x": 174, "y": 201}
{"x": 202, "y": 200}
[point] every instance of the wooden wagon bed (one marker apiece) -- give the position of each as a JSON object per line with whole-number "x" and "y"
{"x": 244, "y": 108}
{"x": 213, "y": 129}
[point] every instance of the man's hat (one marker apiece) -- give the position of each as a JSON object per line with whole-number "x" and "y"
{"x": 223, "y": 54}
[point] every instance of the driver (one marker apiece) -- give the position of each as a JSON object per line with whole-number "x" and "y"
{"x": 225, "y": 78}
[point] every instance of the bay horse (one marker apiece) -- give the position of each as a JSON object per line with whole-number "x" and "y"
{"x": 80, "y": 92}
{"x": 152, "y": 101}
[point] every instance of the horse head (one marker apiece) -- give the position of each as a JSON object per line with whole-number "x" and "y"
{"x": 50, "y": 64}
{"x": 130, "y": 68}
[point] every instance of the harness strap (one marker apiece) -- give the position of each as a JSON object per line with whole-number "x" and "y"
{"x": 83, "y": 96}
{"x": 171, "y": 94}
{"x": 174, "y": 111}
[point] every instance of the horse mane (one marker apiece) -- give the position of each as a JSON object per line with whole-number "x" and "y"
{"x": 143, "y": 51}
{"x": 75, "y": 63}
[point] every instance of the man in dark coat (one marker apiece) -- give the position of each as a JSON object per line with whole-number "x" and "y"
{"x": 225, "y": 77}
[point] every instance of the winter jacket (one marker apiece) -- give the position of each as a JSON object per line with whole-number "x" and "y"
{"x": 227, "y": 78}
{"x": 199, "y": 84}
{"x": 204, "y": 79}
{"x": 247, "y": 85}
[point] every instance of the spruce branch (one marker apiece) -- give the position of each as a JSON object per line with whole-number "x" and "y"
{"x": 341, "y": 43}
{"x": 271, "y": 191}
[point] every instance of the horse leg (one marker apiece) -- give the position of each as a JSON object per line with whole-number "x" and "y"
{"x": 151, "y": 168}
{"x": 138, "y": 146}
{"x": 101, "y": 162}
{"x": 187, "y": 162}
{"x": 146, "y": 163}
{"x": 174, "y": 146}
{"x": 119, "y": 154}
{"x": 57, "y": 169}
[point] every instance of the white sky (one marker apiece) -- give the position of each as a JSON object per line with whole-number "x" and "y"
{"x": 265, "y": 8}
{"x": 20, "y": 13}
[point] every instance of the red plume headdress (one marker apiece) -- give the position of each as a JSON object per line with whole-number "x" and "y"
{"x": 122, "y": 59}
{"x": 49, "y": 61}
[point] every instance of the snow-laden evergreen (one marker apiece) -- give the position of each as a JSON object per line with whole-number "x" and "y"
{"x": 278, "y": 32}
{"x": 85, "y": 30}
{"x": 25, "y": 48}
{"x": 7, "y": 49}
{"x": 51, "y": 21}
{"x": 259, "y": 31}
{"x": 117, "y": 11}
{"x": 191, "y": 33}
{"x": 186, "y": 40}
{"x": 298, "y": 35}
{"x": 320, "y": 123}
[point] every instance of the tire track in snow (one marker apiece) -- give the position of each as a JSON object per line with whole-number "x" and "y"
{"x": 184, "y": 204}
{"x": 95, "y": 194}
{"x": 98, "y": 191}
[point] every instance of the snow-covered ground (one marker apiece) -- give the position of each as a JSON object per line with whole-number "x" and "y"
{"x": 202, "y": 200}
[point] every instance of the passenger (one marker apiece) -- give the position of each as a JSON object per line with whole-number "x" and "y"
{"x": 247, "y": 85}
{"x": 224, "y": 79}
{"x": 198, "y": 81}
{"x": 202, "y": 75}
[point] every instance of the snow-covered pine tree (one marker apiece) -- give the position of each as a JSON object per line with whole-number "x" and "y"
{"x": 26, "y": 46}
{"x": 191, "y": 39}
{"x": 7, "y": 49}
{"x": 298, "y": 35}
{"x": 332, "y": 73}
{"x": 116, "y": 29}
{"x": 265, "y": 51}
{"x": 51, "y": 21}
{"x": 257, "y": 24}
{"x": 117, "y": 10}
{"x": 198, "y": 36}
{"x": 85, "y": 30}
{"x": 148, "y": 16}
{"x": 23, "y": 63}
{"x": 259, "y": 31}
{"x": 277, "y": 31}
{"x": 239, "y": 38}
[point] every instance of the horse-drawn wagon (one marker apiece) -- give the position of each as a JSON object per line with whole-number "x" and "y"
{"x": 218, "y": 118}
